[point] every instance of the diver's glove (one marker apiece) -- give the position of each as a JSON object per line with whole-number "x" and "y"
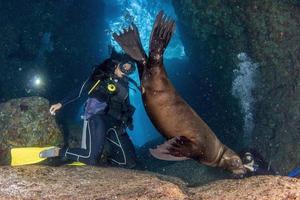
{"x": 252, "y": 167}
{"x": 249, "y": 168}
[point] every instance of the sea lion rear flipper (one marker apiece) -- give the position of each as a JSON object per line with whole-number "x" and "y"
{"x": 175, "y": 149}
{"x": 130, "y": 42}
{"x": 161, "y": 34}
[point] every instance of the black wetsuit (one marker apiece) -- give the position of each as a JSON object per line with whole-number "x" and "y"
{"x": 106, "y": 122}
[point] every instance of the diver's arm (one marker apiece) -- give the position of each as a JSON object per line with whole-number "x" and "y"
{"x": 97, "y": 74}
{"x": 70, "y": 98}
{"x": 75, "y": 94}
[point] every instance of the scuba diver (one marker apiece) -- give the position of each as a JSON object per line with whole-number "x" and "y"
{"x": 107, "y": 114}
{"x": 255, "y": 163}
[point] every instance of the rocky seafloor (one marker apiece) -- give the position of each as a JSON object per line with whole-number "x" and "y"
{"x": 69, "y": 182}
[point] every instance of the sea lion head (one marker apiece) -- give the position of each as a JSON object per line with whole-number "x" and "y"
{"x": 232, "y": 162}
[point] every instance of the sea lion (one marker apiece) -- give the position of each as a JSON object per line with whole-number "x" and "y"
{"x": 189, "y": 136}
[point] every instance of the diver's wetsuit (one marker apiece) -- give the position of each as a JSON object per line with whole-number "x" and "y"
{"x": 107, "y": 115}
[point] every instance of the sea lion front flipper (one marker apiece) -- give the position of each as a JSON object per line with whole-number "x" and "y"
{"x": 174, "y": 149}
{"x": 130, "y": 42}
{"x": 161, "y": 34}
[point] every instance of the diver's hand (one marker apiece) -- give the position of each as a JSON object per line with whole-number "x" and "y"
{"x": 249, "y": 168}
{"x": 55, "y": 108}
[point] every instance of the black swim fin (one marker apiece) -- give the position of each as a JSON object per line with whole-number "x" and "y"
{"x": 130, "y": 41}
{"x": 161, "y": 35}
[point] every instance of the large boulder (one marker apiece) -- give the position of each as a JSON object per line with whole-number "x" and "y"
{"x": 69, "y": 182}
{"x": 215, "y": 31}
{"x": 26, "y": 122}
{"x": 256, "y": 187}
{"x": 37, "y": 182}
{"x": 274, "y": 29}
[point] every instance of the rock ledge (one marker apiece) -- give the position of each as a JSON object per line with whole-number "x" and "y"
{"x": 68, "y": 182}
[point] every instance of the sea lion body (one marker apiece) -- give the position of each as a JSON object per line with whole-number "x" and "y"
{"x": 174, "y": 118}
{"x": 189, "y": 136}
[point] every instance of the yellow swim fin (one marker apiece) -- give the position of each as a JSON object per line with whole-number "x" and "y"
{"x": 26, "y": 155}
{"x": 76, "y": 164}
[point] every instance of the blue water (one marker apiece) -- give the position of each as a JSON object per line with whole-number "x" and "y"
{"x": 142, "y": 13}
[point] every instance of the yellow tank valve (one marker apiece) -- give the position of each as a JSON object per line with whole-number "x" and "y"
{"x": 111, "y": 87}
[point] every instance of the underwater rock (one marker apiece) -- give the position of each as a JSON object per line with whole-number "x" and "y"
{"x": 26, "y": 122}
{"x": 273, "y": 28}
{"x": 41, "y": 182}
{"x": 86, "y": 182}
{"x": 215, "y": 31}
{"x": 256, "y": 187}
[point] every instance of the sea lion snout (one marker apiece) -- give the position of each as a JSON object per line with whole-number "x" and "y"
{"x": 237, "y": 166}
{"x": 232, "y": 162}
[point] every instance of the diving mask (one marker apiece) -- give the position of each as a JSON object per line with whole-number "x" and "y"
{"x": 127, "y": 67}
{"x": 248, "y": 158}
